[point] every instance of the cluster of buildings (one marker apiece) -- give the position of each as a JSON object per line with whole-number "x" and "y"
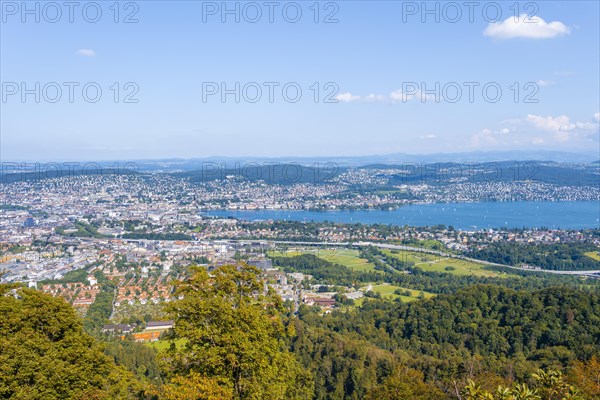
{"x": 40, "y": 253}
{"x": 80, "y": 295}
{"x": 505, "y": 191}
{"x": 142, "y": 230}
{"x": 150, "y": 333}
{"x": 161, "y": 199}
{"x": 143, "y": 290}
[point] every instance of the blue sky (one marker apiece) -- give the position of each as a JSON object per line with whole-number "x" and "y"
{"x": 373, "y": 55}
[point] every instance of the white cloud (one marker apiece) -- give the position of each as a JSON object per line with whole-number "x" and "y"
{"x": 562, "y": 127}
{"x": 586, "y": 125}
{"x": 552, "y": 124}
{"x": 542, "y": 82}
{"x": 395, "y": 96}
{"x": 398, "y": 95}
{"x": 554, "y": 131}
{"x": 525, "y": 27}
{"x": 347, "y": 97}
{"x": 503, "y": 138}
{"x": 86, "y": 52}
{"x": 375, "y": 97}
{"x": 429, "y": 136}
{"x": 561, "y": 123}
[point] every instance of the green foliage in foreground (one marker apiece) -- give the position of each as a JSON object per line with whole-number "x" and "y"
{"x": 234, "y": 337}
{"x": 551, "y": 385}
{"x": 233, "y": 340}
{"x": 44, "y": 353}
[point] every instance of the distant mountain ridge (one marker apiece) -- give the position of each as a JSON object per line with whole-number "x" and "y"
{"x": 187, "y": 164}
{"x": 174, "y": 165}
{"x": 190, "y": 164}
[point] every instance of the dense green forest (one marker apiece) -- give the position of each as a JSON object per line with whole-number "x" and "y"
{"x": 234, "y": 340}
{"x": 553, "y": 326}
{"x": 559, "y": 256}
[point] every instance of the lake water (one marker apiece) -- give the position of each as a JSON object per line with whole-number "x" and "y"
{"x": 566, "y": 215}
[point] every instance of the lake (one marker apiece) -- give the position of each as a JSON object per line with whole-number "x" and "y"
{"x": 565, "y": 215}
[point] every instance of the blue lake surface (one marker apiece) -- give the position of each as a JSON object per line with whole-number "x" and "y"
{"x": 565, "y": 215}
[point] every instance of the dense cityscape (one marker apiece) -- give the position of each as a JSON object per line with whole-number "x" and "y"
{"x": 116, "y": 247}
{"x": 144, "y": 230}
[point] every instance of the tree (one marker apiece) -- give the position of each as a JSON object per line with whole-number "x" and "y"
{"x": 586, "y": 375}
{"x": 196, "y": 386}
{"x": 234, "y": 336}
{"x": 404, "y": 384}
{"x": 553, "y": 385}
{"x": 549, "y": 385}
{"x": 44, "y": 353}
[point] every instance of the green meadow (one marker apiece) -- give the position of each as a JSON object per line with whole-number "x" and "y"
{"x": 434, "y": 263}
{"x": 165, "y": 344}
{"x": 347, "y": 257}
{"x": 593, "y": 255}
{"x": 387, "y": 292}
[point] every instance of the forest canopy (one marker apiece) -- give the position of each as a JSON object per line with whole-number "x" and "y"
{"x": 234, "y": 338}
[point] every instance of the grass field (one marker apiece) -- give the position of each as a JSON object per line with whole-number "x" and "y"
{"x": 410, "y": 256}
{"x": 346, "y": 257}
{"x": 165, "y": 344}
{"x": 432, "y": 244}
{"x": 430, "y": 262}
{"x": 387, "y": 291}
{"x": 593, "y": 255}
